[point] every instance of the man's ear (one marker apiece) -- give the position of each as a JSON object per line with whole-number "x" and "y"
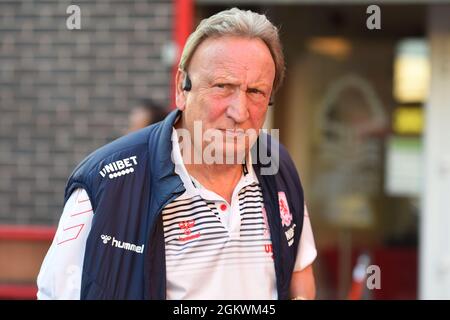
{"x": 180, "y": 94}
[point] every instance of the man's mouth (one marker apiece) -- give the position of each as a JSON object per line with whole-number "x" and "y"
{"x": 234, "y": 132}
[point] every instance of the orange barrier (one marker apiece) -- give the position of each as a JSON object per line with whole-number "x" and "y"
{"x": 26, "y": 232}
{"x": 18, "y": 292}
{"x": 22, "y": 249}
{"x": 359, "y": 276}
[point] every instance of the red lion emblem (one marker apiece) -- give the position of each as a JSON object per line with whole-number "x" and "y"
{"x": 285, "y": 214}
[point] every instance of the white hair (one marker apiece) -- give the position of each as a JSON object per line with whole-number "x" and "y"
{"x": 236, "y": 22}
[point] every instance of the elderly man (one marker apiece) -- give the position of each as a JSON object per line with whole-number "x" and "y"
{"x": 152, "y": 215}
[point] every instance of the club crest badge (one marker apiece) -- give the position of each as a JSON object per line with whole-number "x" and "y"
{"x": 285, "y": 214}
{"x": 286, "y": 218}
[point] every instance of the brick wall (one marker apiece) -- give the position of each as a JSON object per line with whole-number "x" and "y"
{"x": 64, "y": 93}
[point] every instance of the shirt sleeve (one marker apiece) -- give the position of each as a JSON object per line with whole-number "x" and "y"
{"x": 60, "y": 273}
{"x": 307, "y": 252}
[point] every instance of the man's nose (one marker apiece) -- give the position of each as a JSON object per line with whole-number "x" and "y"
{"x": 237, "y": 109}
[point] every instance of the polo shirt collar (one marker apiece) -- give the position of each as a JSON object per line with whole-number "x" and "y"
{"x": 197, "y": 189}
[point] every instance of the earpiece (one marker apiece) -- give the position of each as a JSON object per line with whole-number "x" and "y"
{"x": 187, "y": 84}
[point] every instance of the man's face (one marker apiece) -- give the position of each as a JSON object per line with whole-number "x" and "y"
{"x": 232, "y": 79}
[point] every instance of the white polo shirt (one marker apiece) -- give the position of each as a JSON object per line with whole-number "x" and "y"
{"x": 221, "y": 250}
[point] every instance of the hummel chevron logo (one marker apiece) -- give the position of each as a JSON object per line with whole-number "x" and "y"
{"x": 119, "y": 168}
{"x": 105, "y": 238}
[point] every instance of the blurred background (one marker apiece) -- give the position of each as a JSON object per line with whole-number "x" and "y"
{"x": 364, "y": 114}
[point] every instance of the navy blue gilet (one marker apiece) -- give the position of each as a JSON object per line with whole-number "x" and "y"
{"x": 129, "y": 181}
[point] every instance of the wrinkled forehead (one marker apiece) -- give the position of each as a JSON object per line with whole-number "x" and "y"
{"x": 233, "y": 56}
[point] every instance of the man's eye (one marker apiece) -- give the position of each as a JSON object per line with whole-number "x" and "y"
{"x": 221, "y": 85}
{"x": 256, "y": 91}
